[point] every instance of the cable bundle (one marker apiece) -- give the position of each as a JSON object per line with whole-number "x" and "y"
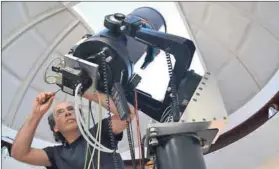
{"x": 174, "y": 95}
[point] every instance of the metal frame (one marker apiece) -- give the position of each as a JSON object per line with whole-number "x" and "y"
{"x": 90, "y": 68}
{"x": 206, "y": 104}
{"x": 206, "y": 132}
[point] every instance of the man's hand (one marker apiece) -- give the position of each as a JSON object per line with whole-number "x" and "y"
{"x": 41, "y": 104}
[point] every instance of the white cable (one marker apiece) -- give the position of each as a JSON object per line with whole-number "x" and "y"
{"x": 81, "y": 122}
{"x": 104, "y": 149}
{"x": 165, "y": 115}
{"x": 98, "y": 164}
{"x": 98, "y": 134}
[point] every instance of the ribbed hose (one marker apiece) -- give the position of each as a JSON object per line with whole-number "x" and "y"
{"x": 132, "y": 152}
{"x": 174, "y": 96}
{"x": 112, "y": 139}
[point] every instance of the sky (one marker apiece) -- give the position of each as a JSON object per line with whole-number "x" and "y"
{"x": 94, "y": 12}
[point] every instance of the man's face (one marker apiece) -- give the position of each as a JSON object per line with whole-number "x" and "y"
{"x": 65, "y": 119}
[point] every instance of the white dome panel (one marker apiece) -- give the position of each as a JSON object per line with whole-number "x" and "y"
{"x": 243, "y": 6}
{"x": 62, "y": 20}
{"x": 260, "y": 54}
{"x": 216, "y": 54}
{"x": 236, "y": 85}
{"x": 21, "y": 55}
{"x": 268, "y": 14}
{"x": 10, "y": 85}
{"x": 242, "y": 32}
{"x": 15, "y": 19}
{"x": 195, "y": 11}
{"x": 72, "y": 38}
{"x": 225, "y": 26}
{"x": 34, "y": 9}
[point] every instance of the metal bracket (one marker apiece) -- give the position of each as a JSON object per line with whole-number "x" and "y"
{"x": 90, "y": 68}
{"x": 206, "y": 104}
{"x": 206, "y": 132}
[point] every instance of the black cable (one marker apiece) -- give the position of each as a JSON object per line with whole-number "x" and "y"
{"x": 90, "y": 111}
{"x": 112, "y": 139}
{"x": 174, "y": 95}
{"x": 132, "y": 152}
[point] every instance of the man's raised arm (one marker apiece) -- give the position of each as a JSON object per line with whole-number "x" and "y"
{"x": 21, "y": 148}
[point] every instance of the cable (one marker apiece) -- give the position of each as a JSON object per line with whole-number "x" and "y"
{"x": 138, "y": 127}
{"x": 98, "y": 134}
{"x": 45, "y": 74}
{"x": 80, "y": 122}
{"x": 132, "y": 133}
{"x": 174, "y": 96}
{"x": 132, "y": 152}
{"x": 90, "y": 111}
{"x": 100, "y": 110}
{"x": 167, "y": 111}
{"x": 112, "y": 139}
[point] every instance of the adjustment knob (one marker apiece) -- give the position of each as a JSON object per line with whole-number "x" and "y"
{"x": 119, "y": 16}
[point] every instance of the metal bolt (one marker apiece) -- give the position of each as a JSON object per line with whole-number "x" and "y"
{"x": 200, "y": 88}
{"x": 153, "y": 129}
{"x": 204, "y": 119}
{"x": 195, "y": 100}
{"x": 198, "y": 94}
{"x": 169, "y": 89}
{"x": 108, "y": 59}
{"x": 122, "y": 28}
{"x": 185, "y": 102}
{"x": 203, "y": 83}
{"x": 153, "y": 142}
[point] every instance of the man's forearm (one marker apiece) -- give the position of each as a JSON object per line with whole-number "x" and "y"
{"x": 25, "y": 135}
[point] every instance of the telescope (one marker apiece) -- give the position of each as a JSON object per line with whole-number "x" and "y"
{"x": 105, "y": 62}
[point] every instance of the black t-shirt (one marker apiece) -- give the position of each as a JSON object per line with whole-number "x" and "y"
{"x": 72, "y": 156}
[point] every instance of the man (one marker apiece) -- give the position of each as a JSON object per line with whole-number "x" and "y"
{"x": 71, "y": 154}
